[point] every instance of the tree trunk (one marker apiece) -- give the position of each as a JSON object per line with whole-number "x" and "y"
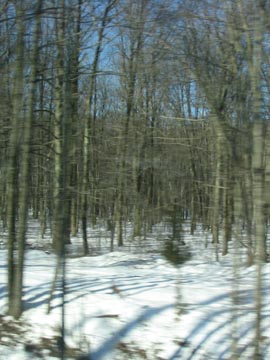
{"x": 88, "y": 132}
{"x": 217, "y": 185}
{"x": 14, "y": 292}
{"x": 25, "y": 173}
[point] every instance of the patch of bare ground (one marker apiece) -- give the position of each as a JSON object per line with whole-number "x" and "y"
{"x": 14, "y": 333}
{"x": 51, "y": 347}
{"x": 132, "y": 351}
{"x": 11, "y": 330}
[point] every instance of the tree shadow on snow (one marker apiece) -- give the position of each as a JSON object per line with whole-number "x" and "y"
{"x": 108, "y": 345}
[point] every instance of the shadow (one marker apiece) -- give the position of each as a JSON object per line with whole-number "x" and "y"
{"x": 3, "y": 291}
{"x": 200, "y": 338}
{"x": 112, "y": 342}
{"x": 216, "y": 317}
{"x": 38, "y": 295}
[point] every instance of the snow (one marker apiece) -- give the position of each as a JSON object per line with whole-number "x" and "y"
{"x": 136, "y": 305}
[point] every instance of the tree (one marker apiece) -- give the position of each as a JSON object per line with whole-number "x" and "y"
{"x": 14, "y": 292}
{"x": 19, "y": 162}
{"x": 89, "y": 128}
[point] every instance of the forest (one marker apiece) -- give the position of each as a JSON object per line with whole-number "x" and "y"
{"x": 122, "y": 113}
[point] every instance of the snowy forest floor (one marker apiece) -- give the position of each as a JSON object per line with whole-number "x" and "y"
{"x": 134, "y": 304}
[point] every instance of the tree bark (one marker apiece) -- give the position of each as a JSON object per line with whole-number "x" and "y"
{"x": 14, "y": 309}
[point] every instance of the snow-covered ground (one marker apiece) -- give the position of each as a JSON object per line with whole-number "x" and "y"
{"x": 136, "y": 305}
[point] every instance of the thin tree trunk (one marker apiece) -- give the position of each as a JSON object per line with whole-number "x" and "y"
{"x": 217, "y": 186}
{"x": 87, "y": 126}
{"x": 258, "y": 166}
{"x": 74, "y": 83}
{"x": 228, "y": 208}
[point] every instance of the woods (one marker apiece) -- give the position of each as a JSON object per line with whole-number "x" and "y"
{"x": 118, "y": 111}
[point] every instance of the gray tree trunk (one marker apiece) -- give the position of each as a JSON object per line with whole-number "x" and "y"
{"x": 13, "y": 171}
